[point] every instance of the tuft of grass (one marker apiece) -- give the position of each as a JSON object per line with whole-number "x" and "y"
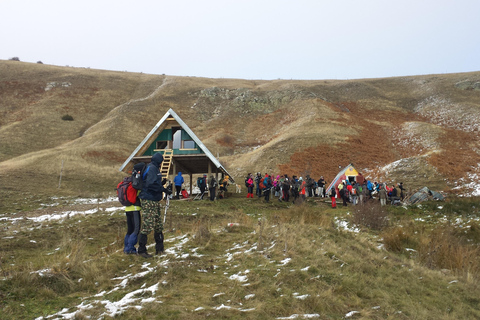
{"x": 370, "y": 215}
{"x": 444, "y": 249}
{"x": 396, "y": 239}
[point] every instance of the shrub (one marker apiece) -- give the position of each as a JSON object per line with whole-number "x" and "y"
{"x": 396, "y": 238}
{"x": 14, "y": 59}
{"x": 39, "y": 62}
{"x": 67, "y": 117}
{"x": 370, "y": 215}
{"x": 444, "y": 249}
{"x": 201, "y": 230}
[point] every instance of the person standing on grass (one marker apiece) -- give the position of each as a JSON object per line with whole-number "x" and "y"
{"x": 132, "y": 213}
{"x": 203, "y": 186}
{"x": 249, "y": 184}
{"x": 301, "y": 188}
{"x": 332, "y": 195}
{"x": 259, "y": 190}
{"x": 353, "y": 193}
{"x": 267, "y": 182}
{"x": 321, "y": 185}
{"x": 178, "y": 181}
{"x": 212, "y": 187}
{"x": 286, "y": 189}
{"x": 360, "y": 194}
{"x": 150, "y": 196}
{"x": 343, "y": 191}
{"x": 402, "y": 194}
{"x": 382, "y": 194}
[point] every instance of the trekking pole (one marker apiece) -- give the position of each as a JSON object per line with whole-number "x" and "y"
{"x": 166, "y": 207}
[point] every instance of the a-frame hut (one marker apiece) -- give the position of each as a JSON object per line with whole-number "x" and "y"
{"x": 349, "y": 173}
{"x": 181, "y": 149}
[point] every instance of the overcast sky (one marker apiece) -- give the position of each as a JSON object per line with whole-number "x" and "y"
{"x": 248, "y": 39}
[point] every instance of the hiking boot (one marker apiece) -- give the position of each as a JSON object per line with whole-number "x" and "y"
{"x": 159, "y": 253}
{"x": 145, "y": 255}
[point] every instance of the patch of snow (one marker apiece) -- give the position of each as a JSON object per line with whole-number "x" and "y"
{"x": 342, "y": 224}
{"x": 303, "y": 316}
{"x": 351, "y": 313}
{"x": 238, "y": 278}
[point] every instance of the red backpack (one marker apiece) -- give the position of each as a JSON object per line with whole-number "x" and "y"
{"x": 261, "y": 184}
{"x": 127, "y": 195}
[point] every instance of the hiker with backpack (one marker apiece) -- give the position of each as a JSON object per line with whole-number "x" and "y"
{"x": 222, "y": 187}
{"x": 382, "y": 194}
{"x": 212, "y": 187}
{"x": 249, "y": 185}
{"x": 202, "y": 184}
{"x": 150, "y": 196}
{"x": 302, "y": 188}
{"x": 360, "y": 194}
{"x": 276, "y": 185}
{"x": 333, "y": 195}
{"x": 309, "y": 186}
{"x": 353, "y": 193}
{"x": 402, "y": 189}
{"x": 178, "y": 181}
{"x": 258, "y": 180}
{"x": 267, "y": 186}
{"x": 343, "y": 192}
{"x": 321, "y": 185}
{"x": 278, "y": 188}
{"x": 294, "y": 188}
{"x": 128, "y": 196}
{"x": 286, "y": 189}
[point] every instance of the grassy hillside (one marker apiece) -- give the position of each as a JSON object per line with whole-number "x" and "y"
{"x": 283, "y": 126}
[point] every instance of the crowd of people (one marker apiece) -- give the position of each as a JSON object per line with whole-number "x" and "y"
{"x": 283, "y": 187}
{"x": 286, "y": 188}
{"x": 359, "y": 193}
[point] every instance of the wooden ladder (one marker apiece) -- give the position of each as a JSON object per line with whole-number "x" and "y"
{"x": 167, "y": 162}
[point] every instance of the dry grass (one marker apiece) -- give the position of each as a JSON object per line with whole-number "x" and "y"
{"x": 371, "y": 215}
{"x": 444, "y": 248}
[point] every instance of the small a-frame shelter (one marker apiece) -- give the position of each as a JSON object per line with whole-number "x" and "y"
{"x": 348, "y": 173}
{"x": 181, "y": 149}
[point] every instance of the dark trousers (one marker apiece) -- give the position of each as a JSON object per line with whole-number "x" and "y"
{"x": 179, "y": 190}
{"x": 266, "y": 193}
{"x": 212, "y": 194}
{"x": 133, "y": 228}
{"x": 133, "y": 222}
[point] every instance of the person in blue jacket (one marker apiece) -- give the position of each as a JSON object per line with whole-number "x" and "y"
{"x": 178, "y": 181}
{"x": 150, "y": 196}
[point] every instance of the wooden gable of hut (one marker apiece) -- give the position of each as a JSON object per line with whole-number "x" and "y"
{"x": 181, "y": 148}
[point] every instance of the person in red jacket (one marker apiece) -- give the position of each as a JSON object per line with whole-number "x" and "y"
{"x": 249, "y": 185}
{"x": 333, "y": 195}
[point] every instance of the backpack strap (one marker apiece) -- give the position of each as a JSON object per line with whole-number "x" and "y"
{"x": 145, "y": 173}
